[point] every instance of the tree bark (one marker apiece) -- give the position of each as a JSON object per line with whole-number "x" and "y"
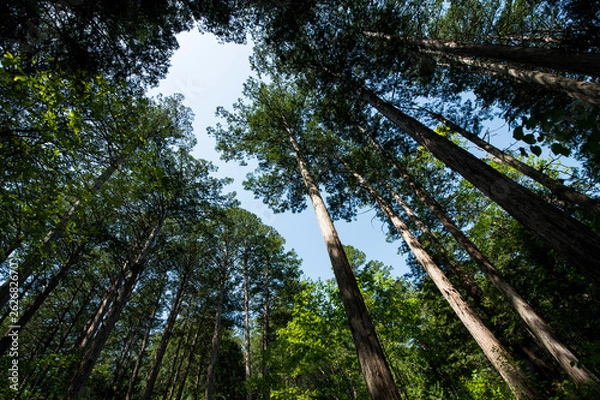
{"x": 538, "y": 327}
{"x": 164, "y": 340}
{"x": 558, "y": 59}
{"x": 248, "y": 364}
{"x": 492, "y": 348}
{"x": 188, "y": 362}
{"x": 374, "y": 366}
{"x": 588, "y": 92}
{"x": 561, "y": 191}
{"x": 574, "y": 241}
{"x": 265, "y": 333}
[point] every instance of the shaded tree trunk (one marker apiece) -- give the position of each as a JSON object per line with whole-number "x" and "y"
{"x": 248, "y": 364}
{"x": 374, "y": 366}
{"x": 558, "y": 59}
{"x": 265, "y": 333}
{"x": 574, "y": 241}
{"x": 189, "y": 360}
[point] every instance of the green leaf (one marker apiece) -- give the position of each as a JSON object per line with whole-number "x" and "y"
{"x": 559, "y": 149}
{"x": 537, "y": 150}
{"x": 529, "y": 138}
{"x": 518, "y": 133}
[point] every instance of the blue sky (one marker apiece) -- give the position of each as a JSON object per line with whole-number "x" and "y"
{"x": 210, "y": 74}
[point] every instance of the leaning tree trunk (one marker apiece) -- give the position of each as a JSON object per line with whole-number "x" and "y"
{"x": 538, "y": 327}
{"x": 588, "y": 92}
{"x": 214, "y": 348}
{"x": 265, "y": 333}
{"x": 188, "y": 362}
{"x": 95, "y": 346}
{"x": 374, "y": 366}
{"x": 492, "y": 348}
{"x": 571, "y": 239}
{"x": 561, "y": 191}
{"x": 164, "y": 340}
{"x": 558, "y": 59}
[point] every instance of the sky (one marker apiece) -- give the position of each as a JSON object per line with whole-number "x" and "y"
{"x": 211, "y": 74}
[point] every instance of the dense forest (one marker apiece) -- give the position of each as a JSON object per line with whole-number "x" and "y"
{"x": 129, "y": 271}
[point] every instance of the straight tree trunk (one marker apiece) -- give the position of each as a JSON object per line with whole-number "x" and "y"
{"x": 164, "y": 340}
{"x": 374, "y": 366}
{"x": 538, "y": 327}
{"x": 214, "y": 348}
{"x": 247, "y": 331}
{"x": 265, "y": 333}
{"x": 492, "y": 348}
{"x": 588, "y": 92}
{"x": 574, "y": 241}
{"x": 561, "y": 191}
{"x": 141, "y": 354}
{"x": 94, "y": 347}
{"x": 558, "y": 59}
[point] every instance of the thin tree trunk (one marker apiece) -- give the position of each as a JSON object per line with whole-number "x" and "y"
{"x": 247, "y": 332}
{"x": 94, "y": 347}
{"x": 492, "y": 348}
{"x": 574, "y": 241}
{"x": 144, "y": 344}
{"x": 214, "y": 348}
{"x": 374, "y": 366}
{"x": 36, "y": 258}
{"x": 558, "y": 59}
{"x": 265, "y": 333}
{"x": 561, "y": 191}
{"x": 538, "y": 327}
{"x": 164, "y": 340}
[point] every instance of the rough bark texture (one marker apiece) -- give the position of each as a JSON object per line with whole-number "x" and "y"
{"x": 574, "y": 241}
{"x": 491, "y": 347}
{"x": 374, "y": 366}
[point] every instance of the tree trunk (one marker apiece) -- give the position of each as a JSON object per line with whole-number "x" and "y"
{"x": 164, "y": 340}
{"x": 561, "y": 191}
{"x": 558, "y": 59}
{"x": 112, "y": 316}
{"x": 214, "y": 348}
{"x": 492, "y": 348}
{"x": 588, "y": 92}
{"x": 538, "y": 327}
{"x": 574, "y": 241}
{"x": 374, "y": 366}
{"x": 247, "y": 332}
{"x": 265, "y": 334}
{"x": 144, "y": 344}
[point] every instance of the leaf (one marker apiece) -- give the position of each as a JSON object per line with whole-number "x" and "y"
{"x": 518, "y": 133}
{"x": 529, "y": 138}
{"x": 537, "y": 150}
{"x": 559, "y": 149}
